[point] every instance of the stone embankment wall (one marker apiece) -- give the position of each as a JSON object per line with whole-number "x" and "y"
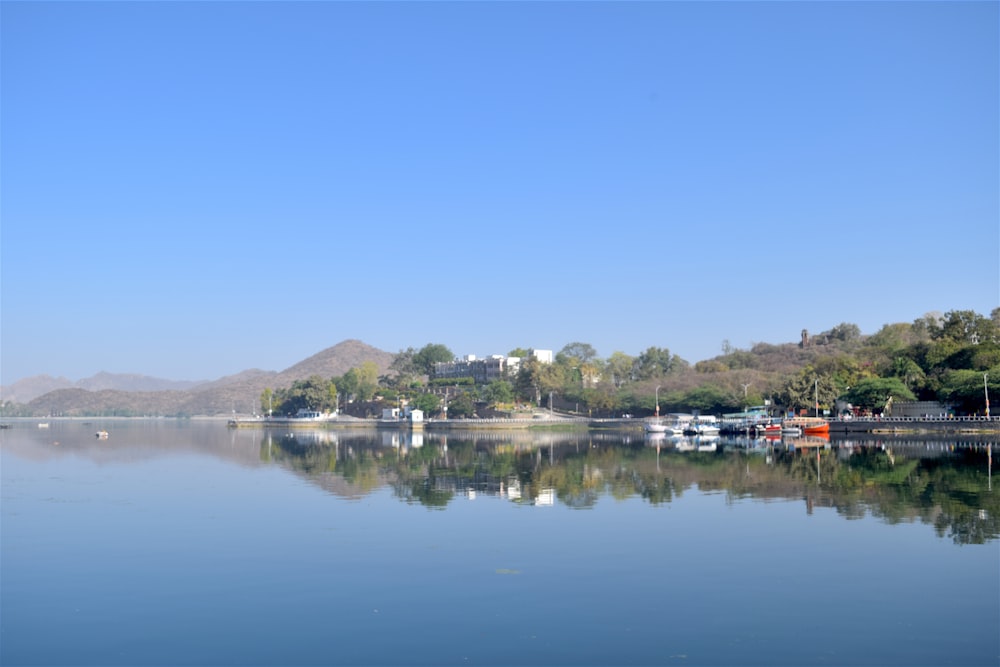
{"x": 917, "y": 425}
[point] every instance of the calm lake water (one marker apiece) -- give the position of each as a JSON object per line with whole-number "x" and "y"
{"x": 187, "y": 543}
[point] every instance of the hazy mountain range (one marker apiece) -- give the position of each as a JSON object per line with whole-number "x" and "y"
{"x": 139, "y": 394}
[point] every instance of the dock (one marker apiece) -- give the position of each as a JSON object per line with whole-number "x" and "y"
{"x": 930, "y": 425}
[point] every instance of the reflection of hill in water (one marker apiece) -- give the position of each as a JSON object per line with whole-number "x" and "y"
{"x": 130, "y": 440}
{"x": 944, "y": 483}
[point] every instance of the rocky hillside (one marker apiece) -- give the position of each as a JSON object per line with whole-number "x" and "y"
{"x": 237, "y": 394}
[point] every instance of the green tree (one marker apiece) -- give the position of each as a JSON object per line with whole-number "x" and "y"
{"x": 575, "y": 354}
{"x": 655, "y": 362}
{"x": 461, "y": 406}
{"x": 893, "y": 339}
{"x": 874, "y": 393}
{"x": 966, "y": 326}
{"x": 845, "y": 333}
{"x": 429, "y": 403}
{"x": 966, "y": 390}
{"x": 710, "y": 399}
{"x": 405, "y": 367}
{"x": 908, "y": 371}
{"x": 527, "y": 384}
{"x": 498, "y": 391}
{"x": 348, "y": 383}
{"x": 431, "y": 354}
{"x": 809, "y": 391}
{"x": 619, "y": 368}
{"x": 266, "y": 401}
{"x": 553, "y": 377}
{"x": 313, "y": 393}
{"x": 367, "y": 380}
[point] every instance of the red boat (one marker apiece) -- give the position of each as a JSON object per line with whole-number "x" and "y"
{"x": 810, "y": 425}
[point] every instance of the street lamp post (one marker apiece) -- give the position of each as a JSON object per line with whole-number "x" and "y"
{"x": 816, "y": 397}
{"x": 986, "y": 392}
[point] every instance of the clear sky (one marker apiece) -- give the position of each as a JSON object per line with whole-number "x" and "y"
{"x": 191, "y": 189}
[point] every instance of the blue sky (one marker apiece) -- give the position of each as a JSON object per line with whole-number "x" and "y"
{"x": 193, "y": 189}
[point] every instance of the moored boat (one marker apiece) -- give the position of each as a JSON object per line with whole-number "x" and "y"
{"x": 654, "y": 426}
{"x": 705, "y": 425}
{"x": 809, "y": 425}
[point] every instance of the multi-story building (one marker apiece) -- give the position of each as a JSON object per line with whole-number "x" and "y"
{"x": 484, "y": 371}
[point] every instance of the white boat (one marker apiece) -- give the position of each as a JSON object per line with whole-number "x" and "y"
{"x": 654, "y": 426}
{"x": 102, "y": 435}
{"x": 702, "y": 426}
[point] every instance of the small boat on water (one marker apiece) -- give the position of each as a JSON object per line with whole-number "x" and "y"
{"x": 809, "y": 425}
{"x": 702, "y": 426}
{"x": 772, "y": 429}
{"x": 102, "y": 435}
{"x": 654, "y": 426}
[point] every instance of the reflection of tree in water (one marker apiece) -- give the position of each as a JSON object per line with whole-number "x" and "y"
{"x": 358, "y": 465}
{"x": 952, "y": 493}
{"x": 423, "y": 492}
{"x": 949, "y": 491}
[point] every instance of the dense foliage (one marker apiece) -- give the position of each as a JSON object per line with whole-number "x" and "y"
{"x": 952, "y": 358}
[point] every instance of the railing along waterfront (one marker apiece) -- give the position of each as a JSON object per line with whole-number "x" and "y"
{"x": 941, "y": 424}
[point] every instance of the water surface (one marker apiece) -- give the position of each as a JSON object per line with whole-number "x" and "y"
{"x": 180, "y": 543}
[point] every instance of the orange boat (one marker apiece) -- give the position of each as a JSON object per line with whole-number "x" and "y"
{"x": 809, "y": 425}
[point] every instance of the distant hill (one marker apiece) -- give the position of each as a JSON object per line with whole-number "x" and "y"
{"x": 337, "y": 360}
{"x": 23, "y": 391}
{"x": 238, "y": 393}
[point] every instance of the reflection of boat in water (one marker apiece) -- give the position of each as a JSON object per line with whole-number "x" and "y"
{"x": 807, "y": 441}
{"x": 685, "y": 445}
{"x": 697, "y": 444}
{"x": 708, "y": 444}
